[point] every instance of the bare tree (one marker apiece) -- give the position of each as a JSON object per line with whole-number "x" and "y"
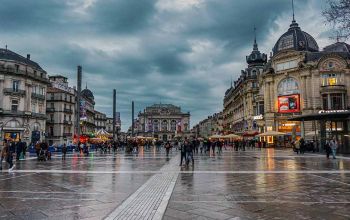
{"x": 338, "y": 14}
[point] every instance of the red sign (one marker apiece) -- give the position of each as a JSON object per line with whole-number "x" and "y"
{"x": 289, "y": 104}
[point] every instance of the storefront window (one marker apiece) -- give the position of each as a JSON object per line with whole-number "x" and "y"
{"x": 334, "y": 101}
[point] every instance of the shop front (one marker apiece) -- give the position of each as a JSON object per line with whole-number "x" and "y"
{"x": 331, "y": 124}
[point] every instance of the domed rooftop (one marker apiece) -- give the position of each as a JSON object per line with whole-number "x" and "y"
{"x": 88, "y": 94}
{"x": 255, "y": 57}
{"x": 295, "y": 39}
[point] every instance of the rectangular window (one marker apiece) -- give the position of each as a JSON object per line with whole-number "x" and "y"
{"x": 15, "y": 85}
{"x": 33, "y": 107}
{"x": 331, "y": 79}
{"x": 52, "y": 105}
{"x": 17, "y": 68}
{"x": 287, "y": 65}
{"x": 35, "y": 89}
{"x": 40, "y": 108}
{"x": 336, "y": 101}
{"x": 325, "y": 101}
{"x": 51, "y": 131}
{"x": 14, "y": 105}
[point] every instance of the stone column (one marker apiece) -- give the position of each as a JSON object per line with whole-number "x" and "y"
{"x": 305, "y": 94}
{"x": 272, "y": 98}
{"x": 267, "y": 97}
{"x": 309, "y": 86}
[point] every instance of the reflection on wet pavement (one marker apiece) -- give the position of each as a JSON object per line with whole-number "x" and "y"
{"x": 267, "y": 184}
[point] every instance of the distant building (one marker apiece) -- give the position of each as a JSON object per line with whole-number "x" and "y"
{"x": 100, "y": 121}
{"x": 163, "y": 121}
{"x": 209, "y": 126}
{"x": 23, "y": 85}
{"x": 60, "y": 109}
{"x": 87, "y": 112}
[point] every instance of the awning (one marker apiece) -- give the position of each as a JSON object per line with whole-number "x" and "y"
{"x": 323, "y": 115}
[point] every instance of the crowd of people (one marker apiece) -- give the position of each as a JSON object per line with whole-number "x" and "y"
{"x": 188, "y": 147}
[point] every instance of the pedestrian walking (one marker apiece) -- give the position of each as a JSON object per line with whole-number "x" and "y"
{"x": 334, "y": 146}
{"x": 11, "y": 149}
{"x": 183, "y": 152}
{"x": 64, "y": 151}
{"x": 328, "y": 149}
{"x": 189, "y": 148}
{"x": 167, "y": 148}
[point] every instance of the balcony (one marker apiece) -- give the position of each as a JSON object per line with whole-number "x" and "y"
{"x": 38, "y": 96}
{"x": 67, "y": 110}
{"x": 50, "y": 109}
{"x": 39, "y": 115}
{"x": 332, "y": 88}
{"x": 11, "y": 91}
{"x": 67, "y": 135}
{"x": 50, "y": 121}
{"x": 67, "y": 122}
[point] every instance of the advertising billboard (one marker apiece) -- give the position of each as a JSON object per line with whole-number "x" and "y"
{"x": 289, "y": 104}
{"x": 83, "y": 115}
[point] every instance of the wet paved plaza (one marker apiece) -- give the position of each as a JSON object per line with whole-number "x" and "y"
{"x": 267, "y": 184}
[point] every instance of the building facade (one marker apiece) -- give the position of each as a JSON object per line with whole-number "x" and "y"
{"x": 242, "y": 100}
{"x": 300, "y": 90}
{"x": 61, "y": 110}
{"x": 163, "y": 121}
{"x": 301, "y": 80}
{"x": 23, "y": 85}
{"x": 100, "y": 121}
{"x": 213, "y": 125}
{"x": 87, "y": 112}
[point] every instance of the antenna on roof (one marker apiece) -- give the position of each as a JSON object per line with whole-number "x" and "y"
{"x": 231, "y": 81}
{"x": 6, "y": 46}
{"x": 293, "y": 11}
{"x": 86, "y": 85}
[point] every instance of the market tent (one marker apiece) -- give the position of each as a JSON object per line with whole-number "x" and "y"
{"x": 312, "y": 133}
{"x": 271, "y": 133}
{"x": 215, "y": 136}
{"x": 102, "y": 132}
{"x": 232, "y": 136}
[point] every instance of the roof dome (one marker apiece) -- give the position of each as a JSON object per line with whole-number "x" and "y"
{"x": 255, "y": 57}
{"x": 295, "y": 39}
{"x": 88, "y": 94}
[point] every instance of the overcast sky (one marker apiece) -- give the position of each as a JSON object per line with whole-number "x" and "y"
{"x": 182, "y": 52}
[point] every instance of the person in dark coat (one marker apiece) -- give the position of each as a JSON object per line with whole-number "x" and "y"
{"x": 64, "y": 151}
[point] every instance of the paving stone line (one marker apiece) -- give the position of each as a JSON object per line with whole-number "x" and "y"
{"x": 151, "y": 199}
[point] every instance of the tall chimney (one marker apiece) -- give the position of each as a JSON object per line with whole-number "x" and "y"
{"x": 132, "y": 118}
{"x": 28, "y": 56}
{"x": 79, "y": 76}
{"x": 114, "y": 112}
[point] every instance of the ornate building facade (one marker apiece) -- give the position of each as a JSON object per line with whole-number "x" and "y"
{"x": 302, "y": 80}
{"x": 100, "y": 121}
{"x": 162, "y": 121}
{"x": 299, "y": 91}
{"x": 23, "y": 85}
{"x": 242, "y": 101}
{"x": 87, "y": 112}
{"x": 60, "y": 109}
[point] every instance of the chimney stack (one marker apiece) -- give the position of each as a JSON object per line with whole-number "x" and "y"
{"x": 28, "y": 56}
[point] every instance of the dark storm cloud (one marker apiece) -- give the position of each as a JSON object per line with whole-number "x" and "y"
{"x": 122, "y": 16}
{"x": 182, "y": 52}
{"x": 31, "y": 15}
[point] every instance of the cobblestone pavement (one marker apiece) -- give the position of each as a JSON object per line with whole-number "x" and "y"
{"x": 268, "y": 184}
{"x": 78, "y": 188}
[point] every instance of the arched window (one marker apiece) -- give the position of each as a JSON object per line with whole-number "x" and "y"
{"x": 164, "y": 125}
{"x": 173, "y": 125}
{"x": 288, "y": 86}
{"x": 155, "y": 125}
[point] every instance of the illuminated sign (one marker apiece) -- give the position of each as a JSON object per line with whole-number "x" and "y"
{"x": 331, "y": 111}
{"x": 258, "y": 117}
{"x": 289, "y": 104}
